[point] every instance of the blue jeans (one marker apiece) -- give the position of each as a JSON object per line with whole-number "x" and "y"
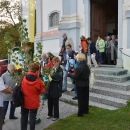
{"x": 65, "y": 81}
{"x": 75, "y": 90}
{"x": 100, "y": 57}
{"x": 12, "y": 108}
{"x": 74, "y": 87}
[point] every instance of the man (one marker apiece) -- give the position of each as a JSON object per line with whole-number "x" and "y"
{"x": 44, "y": 61}
{"x": 91, "y": 52}
{"x": 64, "y": 40}
{"x": 6, "y": 91}
{"x": 108, "y": 50}
{"x": 9, "y": 82}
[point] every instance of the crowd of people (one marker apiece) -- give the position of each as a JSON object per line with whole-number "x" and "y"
{"x": 74, "y": 65}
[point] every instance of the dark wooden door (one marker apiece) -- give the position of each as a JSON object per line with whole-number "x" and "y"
{"x": 97, "y": 21}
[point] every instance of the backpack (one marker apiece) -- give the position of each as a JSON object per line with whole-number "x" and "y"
{"x": 92, "y": 78}
{"x": 17, "y": 96}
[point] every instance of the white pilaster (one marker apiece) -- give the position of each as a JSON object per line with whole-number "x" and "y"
{"x": 87, "y": 17}
{"x": 120, "y": 32}
{"x": 38, "y": 18}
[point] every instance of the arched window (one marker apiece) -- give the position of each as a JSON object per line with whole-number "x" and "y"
{"x": 54, "y": 19}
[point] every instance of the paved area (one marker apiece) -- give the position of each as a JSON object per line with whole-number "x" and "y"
{"x": 65, "y": 110}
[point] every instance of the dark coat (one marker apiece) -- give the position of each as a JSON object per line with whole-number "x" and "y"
{"x": 63, "y": 45}
{"x": 92, "y": 48}
{"x": 81, "y": 75}
{"x": 55, "y": 89}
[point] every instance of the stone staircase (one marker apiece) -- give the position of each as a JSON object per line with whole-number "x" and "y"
{"x": 111, "y": 90}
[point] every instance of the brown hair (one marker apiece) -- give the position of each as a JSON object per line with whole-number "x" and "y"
{"x": 69, "y": 45}
{"x": 33, "y": 67}
{"x": 56, "y": 59}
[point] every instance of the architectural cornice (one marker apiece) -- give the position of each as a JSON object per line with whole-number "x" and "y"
{"x": 69, "y": 19}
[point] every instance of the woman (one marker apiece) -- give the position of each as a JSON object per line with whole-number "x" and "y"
{"x": 101, "y": 46}
{"x": 69, "y": 55}
{"x": 84, "y": 46}
{"x": 32, "y": 87}
{"x": 108, "y": 50}
{"x": 55, "y": 90}
{"x": 81, "y": 77}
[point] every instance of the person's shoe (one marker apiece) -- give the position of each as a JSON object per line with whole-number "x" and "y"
{"x": 54, "y": 119}
{"x": 14, "y": 118}
{"x": 74, "y": 98}
{"x": 79, "y": 115}
{"x": 86, "y": 113}
{"x": 72, "y": 89}
{"x": 64, "y": 91}
{"x": 96, "y": 66}
{"x": 48, "y": 117}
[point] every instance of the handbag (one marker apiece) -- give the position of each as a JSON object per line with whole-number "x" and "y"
{"x": 17, "y": 96}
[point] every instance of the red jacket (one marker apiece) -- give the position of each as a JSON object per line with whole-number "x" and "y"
{"x": 32, "y": 87}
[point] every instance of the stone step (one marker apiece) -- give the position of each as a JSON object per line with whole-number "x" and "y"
{"x": 102, "y": 99}
{"x": 108, "y": 84}
{"x": 118, "y": 79}
{"x": 68, "y": 98}
{"x": 111, "y": 92}
{"x": 110, "y": 71}
{"x": 107, "y": 100}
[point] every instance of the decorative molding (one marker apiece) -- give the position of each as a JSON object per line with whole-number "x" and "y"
{"x": 50, "y": 33}
{"x": 69, "y": 19}
{"x": 126, "y": 4}
{"x": 67, "y": 26}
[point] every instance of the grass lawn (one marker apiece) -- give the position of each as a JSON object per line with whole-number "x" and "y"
{"x": 97, "y": 119}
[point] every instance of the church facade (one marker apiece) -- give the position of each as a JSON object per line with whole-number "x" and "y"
{"x": 83, "y": 17}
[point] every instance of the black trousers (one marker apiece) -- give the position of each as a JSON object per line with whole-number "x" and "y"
{"x": 53, "y": 105}
{"x": 24, "y": 118}
{"x": 1, "y": 117}
{"x": 83, "y": 100}
{"x": 109, "y": 58}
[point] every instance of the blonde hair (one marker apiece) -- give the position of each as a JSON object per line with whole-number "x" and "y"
{"x": 80, "y": 57}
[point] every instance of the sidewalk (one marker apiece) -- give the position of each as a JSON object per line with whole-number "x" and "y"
{"x": 65, "y": 110}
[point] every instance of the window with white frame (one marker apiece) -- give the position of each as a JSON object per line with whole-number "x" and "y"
{"x": 54, "y": 19}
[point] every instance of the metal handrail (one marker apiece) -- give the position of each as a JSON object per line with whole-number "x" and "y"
{"x": 123, "y": 53}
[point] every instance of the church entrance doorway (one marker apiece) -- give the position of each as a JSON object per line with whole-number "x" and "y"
{"x": 104, "y": 18}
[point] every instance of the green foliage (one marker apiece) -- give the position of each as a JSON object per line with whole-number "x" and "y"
{"x": 25, "y": 50}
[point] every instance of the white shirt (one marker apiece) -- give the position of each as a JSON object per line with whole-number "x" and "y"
{"x": 2, "y": 87}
